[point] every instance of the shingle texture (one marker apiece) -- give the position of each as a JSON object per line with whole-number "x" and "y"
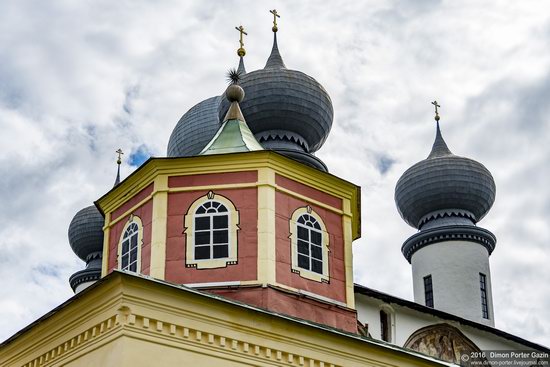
{"x": 444, "y": 185}
{"x": 195, "y": 129}
{"x": 86, "y": 233}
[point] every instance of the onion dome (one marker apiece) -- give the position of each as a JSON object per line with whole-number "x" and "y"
{"x": 444, "y": 185}
{"x": 287, "y": 110}
{"x": 86, "y": 240}
{"x": 195, "y": 129}
{"x": 234, "y": 135}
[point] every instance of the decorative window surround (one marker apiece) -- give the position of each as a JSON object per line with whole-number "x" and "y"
{"x": 191, "y": 231}
{"x": 294, "y": 228}
{"x": 126, "y": 238}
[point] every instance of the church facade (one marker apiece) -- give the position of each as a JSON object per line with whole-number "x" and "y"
{"x": 237, "y": 249}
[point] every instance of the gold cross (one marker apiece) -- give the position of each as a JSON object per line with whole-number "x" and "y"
{"x": 120, "y": 153}
{"x": 275, "y": 16}
{"x": 436, "y": 111}
{"x": 241, "y": 52}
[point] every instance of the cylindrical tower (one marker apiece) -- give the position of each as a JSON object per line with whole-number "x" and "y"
{"x": 444, "y": 196}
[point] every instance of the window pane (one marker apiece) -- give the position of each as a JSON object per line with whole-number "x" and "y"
{"x": 133, "y": 241}
{"x": 303, "y": 247}
{"x": 133, "y": 256}
{"x": 303, "y": 233}
{"x": 301, "y": 220}
{"x": 316, "y": 252}
{"x": 124, "y": 263}
{"x": 133, "y": 267}
{"x": 201, "y": 210}
{"x": 316, "y": 225}
{"x": 202, "y": 238}
{"x": 220, "y": 221}
{"x": 316, "y": 238}
{"x": 202, "y": 252}
{"x": 222, "y": 209}
{"x": 317, "y": 266}
{"x": 220, "y": 236}
{"x": 221, "y": 251}
{"x": 303, "y": 262}
{"x": 202, "y": 223}
{"x": 125, "y": 246}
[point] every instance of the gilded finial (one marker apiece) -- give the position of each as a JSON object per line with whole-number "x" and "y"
{"x": 241, "y": 51}
{"x": 436, "y": 111}
{"x": 119, "y": 159}
{"x": 275, "y": 16}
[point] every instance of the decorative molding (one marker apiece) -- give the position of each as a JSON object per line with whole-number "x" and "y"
{"x": 78, "y": 342}
{"x": 448, "y": 233}
{"x": 125, "y": 320}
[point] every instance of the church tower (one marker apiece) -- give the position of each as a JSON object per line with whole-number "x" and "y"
{"x": 444, "y": 196}
{"x": 241, "y": 207}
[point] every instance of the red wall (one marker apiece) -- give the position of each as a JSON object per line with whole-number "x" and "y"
{"x": 285, "y": 205}
{"x": 246, "y": 202}
{"x": 145, "y": 213}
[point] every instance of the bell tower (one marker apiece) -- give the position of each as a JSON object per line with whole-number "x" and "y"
{"x": 444, "y": 196}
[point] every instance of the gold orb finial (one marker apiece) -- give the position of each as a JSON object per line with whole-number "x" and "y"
{"x": 275, "y": 16}
{"x": 241, "y": 51}
{"x": 436, "y": 110}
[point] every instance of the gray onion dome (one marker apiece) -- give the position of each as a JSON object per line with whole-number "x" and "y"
{"x": 285, "y": 109}
{"x": 86, "y": 233}
{"x": 444, "y": 185}
{"x": 195, "y": 129}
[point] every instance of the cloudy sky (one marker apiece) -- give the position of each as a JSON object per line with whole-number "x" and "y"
{"x": 80, "y": 79}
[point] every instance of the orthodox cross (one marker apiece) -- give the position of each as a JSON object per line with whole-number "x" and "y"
{"x": 436, "y": 111}
{"x": 241, "y": 31}
{"x": 120, "y": 153}
{"x": 275, "y": 16}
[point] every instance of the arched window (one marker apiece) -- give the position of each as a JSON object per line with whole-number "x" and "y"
{"x": 387, "y": 323}
{"x": 309, "y": 245}
{"x": 130, "y": 245}
{"x": 211, "y": 232}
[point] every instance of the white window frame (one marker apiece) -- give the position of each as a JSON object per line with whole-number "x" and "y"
{"x": 325, "y": 249}
{"x": 132, "y": 221}
{"x": 190, "y": 232}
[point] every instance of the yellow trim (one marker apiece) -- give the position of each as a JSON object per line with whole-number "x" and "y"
{"x": 266, "y": 227}
{"x": 106, "y": 237}
{"x": 325, "y": 245}
{"x": 233, "y": 226}
{"x": 158, "y": 227}
{"x": 137, "y": 220}
{"x": 167, "y": 325}
{"x": 348, "y": 253}
{"x": 235, "y": 162}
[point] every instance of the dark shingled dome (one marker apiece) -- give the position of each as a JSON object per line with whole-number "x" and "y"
{"x": 195, "y": 129}
{"x": 444, "y": 185}
{"x": 284, "y": 108}
{"x": 86, "y": 233}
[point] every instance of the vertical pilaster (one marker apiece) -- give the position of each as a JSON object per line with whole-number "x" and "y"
{"x": 158, "y": 228}
{"x": 106, "y": 236}
{"x": 266, "y": 226}
{"x": 348, "y": 252}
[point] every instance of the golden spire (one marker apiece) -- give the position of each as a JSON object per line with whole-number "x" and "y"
{"x": 436, "y": 111}
{"x": 275, "y": 16}
{"x": 241, "y": 51}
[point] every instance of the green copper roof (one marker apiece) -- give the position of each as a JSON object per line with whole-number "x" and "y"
{"x": 232, "y": 137}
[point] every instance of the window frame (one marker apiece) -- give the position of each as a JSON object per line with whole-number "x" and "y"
{"x": 484, "y": 296}
{"x": 132, "y": 220}
{"x": 429, "y": 291}
{"x": 190, "y": 234}
{"x": 323, "y": 277}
